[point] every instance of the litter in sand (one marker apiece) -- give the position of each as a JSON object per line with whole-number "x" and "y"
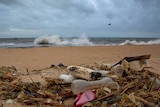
{"x": 130, "y": 82}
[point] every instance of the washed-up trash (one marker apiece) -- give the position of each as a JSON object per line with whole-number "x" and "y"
{"x": 85, "y": 97}
{"x": 99, "y": 66}
{"x": 9, "y": 101}
{"x": 130, "y": 82}
{"x": 30, "y": 93}
{"x": 61, "y": 65}
{"x": 79, "y": 86}
{"x": 103, "y": 72}
{"x": 135, "y": 58}
{"x": 67, "y": 78}
{"x": 157, "y": 83}
{"x": 52, "y": 66}
{"x": 83, "y": 73}
{"x": 6, "y": 73}
{"x": 117, "y": 69}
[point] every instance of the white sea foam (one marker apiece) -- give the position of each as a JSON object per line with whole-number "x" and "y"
{"x": 6, "y": 44}
{"x": 85, "y": 41}
{"x": 134, "y": 42}
{"x": 56, "y": 40}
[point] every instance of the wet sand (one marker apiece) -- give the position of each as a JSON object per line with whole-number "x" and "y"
{"x": 37, "y": 58}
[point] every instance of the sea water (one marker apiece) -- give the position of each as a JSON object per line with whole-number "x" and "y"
{"x": 55, "y": 40}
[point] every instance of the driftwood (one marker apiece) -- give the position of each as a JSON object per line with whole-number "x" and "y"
{"x": 135, "y": 58}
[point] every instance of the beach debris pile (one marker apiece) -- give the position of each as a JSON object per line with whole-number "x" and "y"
{"x": 130, "y": 82}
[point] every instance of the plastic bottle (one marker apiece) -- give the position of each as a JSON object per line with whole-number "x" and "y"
{"x": 79, "y": 86}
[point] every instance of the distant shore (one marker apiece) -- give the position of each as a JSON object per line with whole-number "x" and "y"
{"x": 41, "y": 57}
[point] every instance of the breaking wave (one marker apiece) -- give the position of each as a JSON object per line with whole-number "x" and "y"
{"x": 58, "y": 41}
{"x": 134, "y": 42}
{"x": 6, "y": 44}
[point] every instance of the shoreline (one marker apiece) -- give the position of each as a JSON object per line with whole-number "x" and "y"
{"x": 42, "y": 57}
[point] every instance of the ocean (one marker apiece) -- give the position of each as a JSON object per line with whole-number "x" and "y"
{"x": 48, "y": 41}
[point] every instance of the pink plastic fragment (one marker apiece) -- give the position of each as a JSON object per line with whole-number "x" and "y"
{"x": 85, "y": 97}
{"x": 77, "y": 98}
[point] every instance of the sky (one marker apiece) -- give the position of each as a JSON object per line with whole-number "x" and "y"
{"x": 33, "y": 18}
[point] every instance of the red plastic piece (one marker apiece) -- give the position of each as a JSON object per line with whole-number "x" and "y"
{"x": 85, "y": 97}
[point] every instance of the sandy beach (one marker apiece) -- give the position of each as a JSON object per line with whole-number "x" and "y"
{"x": 37, "y": 58}
{"x": 44, "y": 57}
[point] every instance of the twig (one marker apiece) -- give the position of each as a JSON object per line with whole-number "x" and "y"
{"x": 152, "y": 84}
{"x": 104, "y": 97}
{"x": 31, "y": 78}
{"x": 12, "y": 85}
{"x": 149, "y": 104}
{"x": 126, "y": 87}
{"x": 37, "y": 99}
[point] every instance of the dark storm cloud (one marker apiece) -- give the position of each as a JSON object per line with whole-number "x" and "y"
{"x": 149, "y": 17}
{"x": 146, "y": 3}
{"x": 80, "y": 16}
{"x": 71, "y": 6}
{"x": 11, "y": 2}
{"x": 134, "y": 15}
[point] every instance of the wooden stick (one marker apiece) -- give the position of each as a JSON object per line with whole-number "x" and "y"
{"x": 103, "y": 97}
{"x": 125, "y": 88}
{"x": 152, "y": 84}
{"x": 31, "y": 78}
{"x": 12, "y": 85}
{"x": 149, "y": 104}
{"x": 129, "y": 59}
